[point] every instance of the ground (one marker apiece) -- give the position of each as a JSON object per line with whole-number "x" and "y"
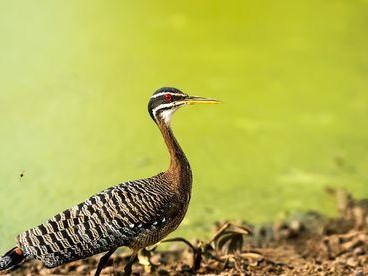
{"x": 304, "y": 244}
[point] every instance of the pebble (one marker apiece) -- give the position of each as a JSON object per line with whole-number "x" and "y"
{"x": 352, "y": 262}
{"x": 358, "y": 251}
{"x": 295, "y": 225}
{"x": 108, "y": 270}
{"x": 44, "y": 271}
{"x": 82, "y": 269}
{"x": 155, "y": 259}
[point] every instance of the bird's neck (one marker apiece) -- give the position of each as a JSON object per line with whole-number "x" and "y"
{"x": 179, "y": 165}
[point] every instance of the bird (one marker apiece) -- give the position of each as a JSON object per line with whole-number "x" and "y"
{"x": 134, "y": 214}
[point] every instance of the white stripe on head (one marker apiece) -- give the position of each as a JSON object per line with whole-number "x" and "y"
{"x": 166, "y": 114}
{"x": 157, "y": 108}
{"x": 154, "y": 96}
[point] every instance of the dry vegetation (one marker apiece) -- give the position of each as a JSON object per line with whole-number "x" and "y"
{"x": 306, "y": 244}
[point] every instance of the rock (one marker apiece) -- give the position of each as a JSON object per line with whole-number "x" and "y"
{"x": 108, "y": 270}
{"x": 82, "y": 269}
{"x": 359, "y": 273}
{"x": 359, "y": 251}
{"x": 295, "y": 225}
{"x": 352, "y": 262}
{"x": 155, "y": 259}
{"x": 44, "y": 271}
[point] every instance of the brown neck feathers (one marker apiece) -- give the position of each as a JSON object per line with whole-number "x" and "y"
{"x": 179, "y": 165}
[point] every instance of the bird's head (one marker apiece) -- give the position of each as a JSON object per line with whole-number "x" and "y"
{"x": 165, "y": 101}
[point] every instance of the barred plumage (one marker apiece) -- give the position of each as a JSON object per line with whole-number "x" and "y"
{"x": 135, "y": 214}
{"x": 130, "y": 214}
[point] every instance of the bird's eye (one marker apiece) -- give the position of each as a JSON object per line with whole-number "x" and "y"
{"x": 168, "y": 98}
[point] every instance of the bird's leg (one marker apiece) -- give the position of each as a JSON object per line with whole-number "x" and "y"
{"x": 103, "y": 261}
{"x": 128, "y": 266}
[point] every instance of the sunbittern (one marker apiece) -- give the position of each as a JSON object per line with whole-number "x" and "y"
{"x": 135, "y": 214}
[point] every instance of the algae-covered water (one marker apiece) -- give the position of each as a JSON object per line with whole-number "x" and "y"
{"x": 75, "y": 78}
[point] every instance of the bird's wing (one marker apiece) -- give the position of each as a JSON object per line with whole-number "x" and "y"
{"x": 106, "y": 220}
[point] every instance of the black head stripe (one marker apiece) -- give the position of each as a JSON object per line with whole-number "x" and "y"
{"x": 158, "y": 98}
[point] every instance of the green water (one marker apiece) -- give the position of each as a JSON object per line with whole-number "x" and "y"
{"x": 75, "y": 78}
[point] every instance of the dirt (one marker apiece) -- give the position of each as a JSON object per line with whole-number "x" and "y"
{"x": 304, "y": 244}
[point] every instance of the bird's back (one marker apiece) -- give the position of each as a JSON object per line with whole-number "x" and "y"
{"x": 134, "y": 214}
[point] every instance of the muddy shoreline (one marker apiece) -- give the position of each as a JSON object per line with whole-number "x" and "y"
{"x": 304, "y": 244}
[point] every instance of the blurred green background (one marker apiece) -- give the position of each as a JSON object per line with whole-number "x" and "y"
{"x": 76, "y": 76}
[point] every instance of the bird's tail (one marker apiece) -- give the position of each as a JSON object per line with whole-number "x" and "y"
{"x": 11, "y": 258}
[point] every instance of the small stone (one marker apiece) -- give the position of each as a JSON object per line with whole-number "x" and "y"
{"x": 352, "y": 262}
{"x": 108, "y": 270}
{"x": 56, "y": 270}
{"x": 39, "y": 266}
{"x": 137, "y": 269}
{"x": 82, "y": 269}
{"x": 358, "y": 251}
{"x": 295, "y": 225}
{"x": 155, "y": 259}
{"x": 44, "y": 271}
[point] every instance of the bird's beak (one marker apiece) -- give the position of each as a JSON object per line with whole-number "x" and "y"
{"x": 200, "y": 100}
